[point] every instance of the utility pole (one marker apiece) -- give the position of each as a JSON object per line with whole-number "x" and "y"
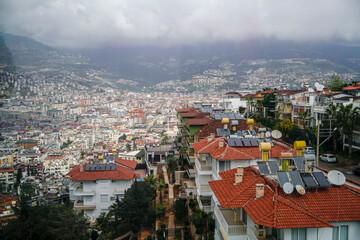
{"x": 318, "y": 141}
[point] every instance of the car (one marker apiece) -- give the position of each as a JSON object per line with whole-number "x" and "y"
{"x": 309, "y": 150}
{"x": 328, "y": 157}
{"x": 356, "y": 171}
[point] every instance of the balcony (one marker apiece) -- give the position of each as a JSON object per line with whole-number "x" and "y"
{"x": 79, "y": 205}
{"x": 229, "y": 224}
{"x": 79, "y": 191}
{"x": 202, "y": 167}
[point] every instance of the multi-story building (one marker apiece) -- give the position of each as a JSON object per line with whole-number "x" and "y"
{"x": 250, "y": 205}
{"x": 95, "y": 187}
{"x": 56, "y": 163}
{"x": 6, "y": 178}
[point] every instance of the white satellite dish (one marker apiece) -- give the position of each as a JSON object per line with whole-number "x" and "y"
{"x": 267, "y": 134}
{"x": 320, "y": 87}
{"x": 300, "y": 189}
{"x": 311, "y": 90}
{"x": 317, "y": 85}
{"x": 336, "y": 177}
{"x": 276, "y": 134}
{"x": 288, "y": 188}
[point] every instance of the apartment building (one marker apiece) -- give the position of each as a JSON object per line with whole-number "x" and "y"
{"x": 251, "y": 205}
{"x": 95, "y": 187}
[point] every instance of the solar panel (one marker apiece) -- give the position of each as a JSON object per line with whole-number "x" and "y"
{"x": 253, "y": 132}
{"x": 254, "y": 142}
{"x": 231, "y": 116}
{"x": 102, "y": 167}
{"x": 238, "y": 116}
{"x": 220, "y": 132}
{"x": 299, "y": 163}
{"x": 92, "y": 167}
{"x": 226, "y": 132}
{"x": 87, "y": 167}
{"x": 273, "y": 167}
{"x": 260, "y": 140}
{"x": 97, "y": 167}
{"x": 231, "y": 142}
{"x": 296, "y": 178}
{"x": 112, "y": 167}
{"x": 238, "y": 142}
{"x": 108, "y": 167}
{"x": 283, "y": 177}
{"x": 217, "y": 117}
{"x": 239, "y": 133}
{"x": 321, "y": 179}
{"x": 246, "y": 142}
{"x": 245, "y": 132}
{"x": 309, "y": 180}
{"x": 270, "y": 141}
{"x": 263, "y": 168}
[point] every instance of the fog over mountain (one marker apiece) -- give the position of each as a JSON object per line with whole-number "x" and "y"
{"x": 95, "y": 24}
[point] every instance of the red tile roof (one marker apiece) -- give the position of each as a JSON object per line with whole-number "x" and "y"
{"x": 126, "y": 163}
{"x": 237, "y": 153}
{"x": 199, "y": 121}
{"x": 317, "y": 208}
{"x": 123, "y": 171}
{"x": 350, "y": 88}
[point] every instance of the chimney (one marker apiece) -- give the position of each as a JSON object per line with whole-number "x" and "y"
{"x": 221, "y": 143}
{"x": 81, "y": 166}
{"x": 212, "y": 135}
{"x": 238, "y": 178}
{"x": 259, "y": 190}
{"x": 240, "y": 170}
{"x": 209, "y": 139}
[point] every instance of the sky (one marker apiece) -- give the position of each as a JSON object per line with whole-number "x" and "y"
{"x": 77, "y": 24}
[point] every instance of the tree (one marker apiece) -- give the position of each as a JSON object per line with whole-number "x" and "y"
{"x": 44, "y": 222}
{"x": 27, "y": 190}
{"x": 135, "y": 208}
{"x": 18, "y": 175}
{"x": 332, "y": 112}
{"x": 172, "y": 163}
{"x": 348, "y": 117}
{"x": 202, "y": 218}
{"x": 337, "y": 84}
{"x": 122, "y": 137}
{"x": 304, "y": 117}
{"x": 286, "y": 126}
{"x": 128, "y": 148}
{"x": 160, "y": 186}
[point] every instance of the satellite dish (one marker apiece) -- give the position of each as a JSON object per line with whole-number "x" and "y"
{"x": 288, "y": 188}
{"x": 320, "y": 87}
{"x": 300, "y": 189}
{"x": 267, "y": 134}
{"x": 311, "y": 90}
{"x": 336, "y": 177}
{"x": 317, "y": 85}
{"x": 276, "y": 134}
{"x": 302, "y": 85}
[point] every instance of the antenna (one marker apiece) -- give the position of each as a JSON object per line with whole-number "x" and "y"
{"x": 276, "y": 134}
{"x": 288, "y": 188}
{"x": 311, "y": 90}
{"x": 300, "y": 189}
{"x": 336, "y": 177}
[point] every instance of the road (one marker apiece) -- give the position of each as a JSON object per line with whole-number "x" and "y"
{"x": 347, "y": 173}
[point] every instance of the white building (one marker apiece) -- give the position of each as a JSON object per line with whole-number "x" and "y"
{"x": 95, "y": 187}
{"x": 251, "y": 206}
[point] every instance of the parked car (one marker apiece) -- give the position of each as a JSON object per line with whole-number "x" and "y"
{"x": 356, "y": 171}
{"x": 309, "y": 150}
{"x": 328, "y": 157}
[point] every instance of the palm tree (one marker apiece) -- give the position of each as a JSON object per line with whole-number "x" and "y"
{"x": 151, "y": 180}
{"x": 160, "y": 186}
{"x": 348, "y": 117}
{"x": 332, "y": 111}
{"x": 202, "y": 217}
{"x": 304, "y": 116}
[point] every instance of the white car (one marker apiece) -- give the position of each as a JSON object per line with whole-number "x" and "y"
{"x": 328, "y": 158}
{"x": 309, "y": 150}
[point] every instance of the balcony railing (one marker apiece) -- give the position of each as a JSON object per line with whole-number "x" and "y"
{"x": 230, "y": 226}
{"x": 79, "y": 205}
{"x": 201, "y": 166}
{"x": 79, "y": 191}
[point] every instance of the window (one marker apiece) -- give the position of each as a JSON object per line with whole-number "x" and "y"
{"x": 340, "y": 233}
{"x": 298, "y": 234}
{"x": 224, "y": 165}
{"x": 104, "y": 198}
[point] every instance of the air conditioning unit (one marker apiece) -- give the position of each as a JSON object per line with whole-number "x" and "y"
{"x": 260, "y": 232}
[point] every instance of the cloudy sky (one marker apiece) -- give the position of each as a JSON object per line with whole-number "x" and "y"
{"x": 93, "y": 23}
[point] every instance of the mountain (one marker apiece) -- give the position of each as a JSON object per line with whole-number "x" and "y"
{"x": 138, "y": 66}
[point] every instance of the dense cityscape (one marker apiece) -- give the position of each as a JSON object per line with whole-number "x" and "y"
{"x": 162, "y": 129}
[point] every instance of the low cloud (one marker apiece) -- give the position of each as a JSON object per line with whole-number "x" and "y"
{"x": 93, "y": 23}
